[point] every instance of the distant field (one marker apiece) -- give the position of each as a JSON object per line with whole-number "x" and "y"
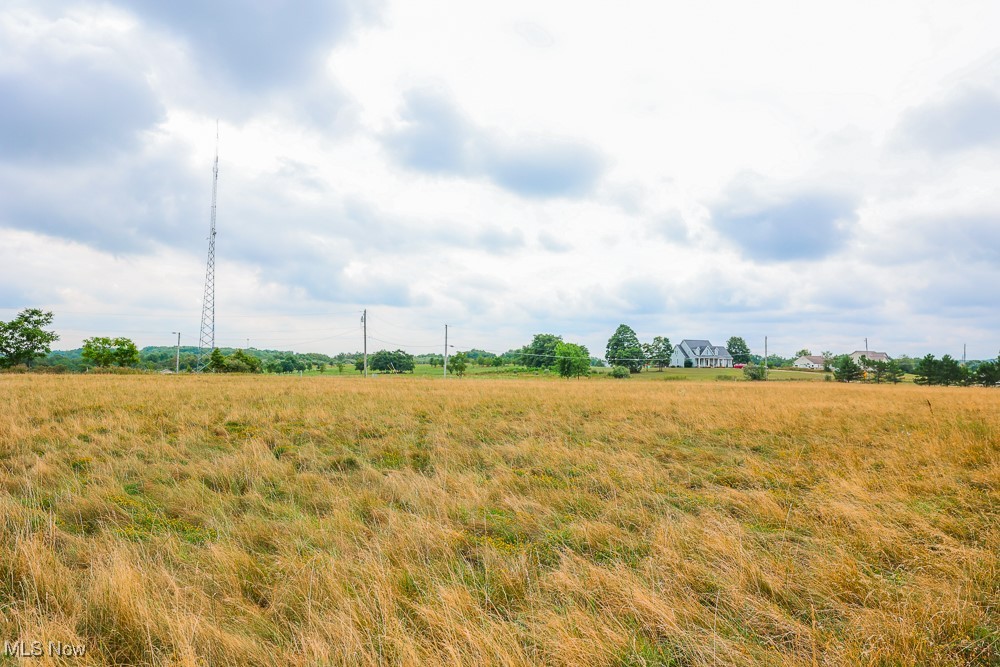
{"x": 700, "y": 374}
{"x": 270, "y": 520}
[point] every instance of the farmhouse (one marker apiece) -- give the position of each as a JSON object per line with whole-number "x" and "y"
{"x": 812, "y": 362}
{"x": 702, "y": 354}
{"x": 872, "y": 356}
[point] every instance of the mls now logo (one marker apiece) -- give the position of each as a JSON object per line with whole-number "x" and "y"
{"x": 36, "y": 649}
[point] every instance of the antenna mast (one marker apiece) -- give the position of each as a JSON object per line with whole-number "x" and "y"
{"x": 206, "y": 340}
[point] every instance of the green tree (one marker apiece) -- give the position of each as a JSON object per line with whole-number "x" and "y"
{"x": 24, "y": 338}
{"x": 988, "y": 374}
{"x": 659, "y": 352}
{"x": 99, "y": 351}
{"x": 827, "y": 360}
{"x": 754, "y": 372}
{"x": 241, "y": 362}
{"x": 391, "y": 362}
{"x": 801, "y": 353}
{"x": 894, "y": 372}
{"x": 846, "y": 369}
{"x": 102, "y": 351}
{"x": 624, "y": 349}
{"x": 739, "y": 350}
{"x": 572, "y": 360}
{"x": 126, "y": 353}
{"x": 541, "y": 353}
{"x": 216, "y": 362}
{"x": 457, "y": 364}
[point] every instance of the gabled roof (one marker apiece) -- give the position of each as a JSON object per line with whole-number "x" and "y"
{"x": 703, "y": 348}
{"x": 872, "y": 356}
{"x": 814, "y": 358}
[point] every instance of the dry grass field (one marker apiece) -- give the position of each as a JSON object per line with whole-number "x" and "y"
{"x": 407, "y": 521}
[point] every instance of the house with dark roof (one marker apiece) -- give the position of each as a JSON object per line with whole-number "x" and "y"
{"x": 702, "y": 354}
{"x": 812, "y": 362}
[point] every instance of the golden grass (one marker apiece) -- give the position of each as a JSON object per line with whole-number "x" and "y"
{"x": 313, "y": 521}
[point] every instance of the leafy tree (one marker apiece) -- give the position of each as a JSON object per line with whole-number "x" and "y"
{"x": 102, "y": 351}
{"x": 658, "y": 352}
{"x": 893, "y": 372}
{"x": 624, "y": 349}
{"x": 597, "y": 362}
{"x": 541, "y": 353}
{"x": 952, "y": 372}
{"x": 988, "y": 374}
{"x": 216, "y": 362}
{"x": 24, "y": 338}
{"x": 340, "y": 366}
{"x": 827, "y": 360}
{"x": 846, "y": 369}
{"x": 804, "y": 352}
{"x": 944, "y": 371}
{"x": 572, "y": 360}
{"x": 739, "y": 350}
{"x": 907, "y": 364}
{"x": 458, "y": 363}
{"x": 391, "y": 362}
{"x": 241, "y": 362}
{"x": 754, "y": 372}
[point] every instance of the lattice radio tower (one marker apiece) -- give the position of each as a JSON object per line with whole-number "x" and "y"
{"x": 206, "y": 340}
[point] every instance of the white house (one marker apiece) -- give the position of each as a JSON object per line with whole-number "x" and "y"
{"x": 872, "y": 356}
{"x": 812, "y": 362}
{"x": 702, "y": 355}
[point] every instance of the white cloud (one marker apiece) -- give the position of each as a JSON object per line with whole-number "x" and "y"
{"x": 582, "y": 167}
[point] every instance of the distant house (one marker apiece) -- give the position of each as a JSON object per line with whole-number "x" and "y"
{"x": 811, "y": 362}
{"x": 702, "y": 355}
{"x": 872, "y": 356}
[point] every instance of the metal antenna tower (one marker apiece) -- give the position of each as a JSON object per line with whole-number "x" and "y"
{"x": 206, "y": 340}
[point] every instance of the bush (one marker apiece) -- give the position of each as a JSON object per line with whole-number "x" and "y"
{"x": 620, "y": 372}
{"x": 754, "y": 372}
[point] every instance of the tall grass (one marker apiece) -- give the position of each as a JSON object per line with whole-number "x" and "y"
{"x": 303, "y": 521}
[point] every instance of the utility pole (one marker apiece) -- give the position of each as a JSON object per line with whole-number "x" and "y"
{"x": 177, "y": 363}
{"x": 963, "y": 354}
{"x": 446, "y": 350}
{"x": 866, "y": 347}
{"x": 364, "y": 322}
{"x": 765, "y": 357}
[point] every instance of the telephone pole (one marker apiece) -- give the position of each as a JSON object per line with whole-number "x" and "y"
{"x": 765, "y": 357}
{"x": 177, "y": 363}
{"x": 446, "y": 350}
{"x": 364, "y": 323}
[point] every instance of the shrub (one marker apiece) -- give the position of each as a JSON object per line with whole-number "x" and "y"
{"x": 620, "y": 372}
{"x": 754, "y": 372}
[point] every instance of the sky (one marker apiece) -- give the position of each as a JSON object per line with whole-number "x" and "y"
{"x": 819, "y": 175}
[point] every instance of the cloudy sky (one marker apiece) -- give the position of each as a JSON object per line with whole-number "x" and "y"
{"x": 696, "y": 170}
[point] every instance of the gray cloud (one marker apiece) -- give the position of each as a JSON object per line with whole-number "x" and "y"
{"x": 437, "y": 138}
{"x": 771, "y": 225}
{"x": 257, "y": 45}
{"x": 968, "y": 118}
{"x": 126, "y": 205}
{"x": 63, "y": 103}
